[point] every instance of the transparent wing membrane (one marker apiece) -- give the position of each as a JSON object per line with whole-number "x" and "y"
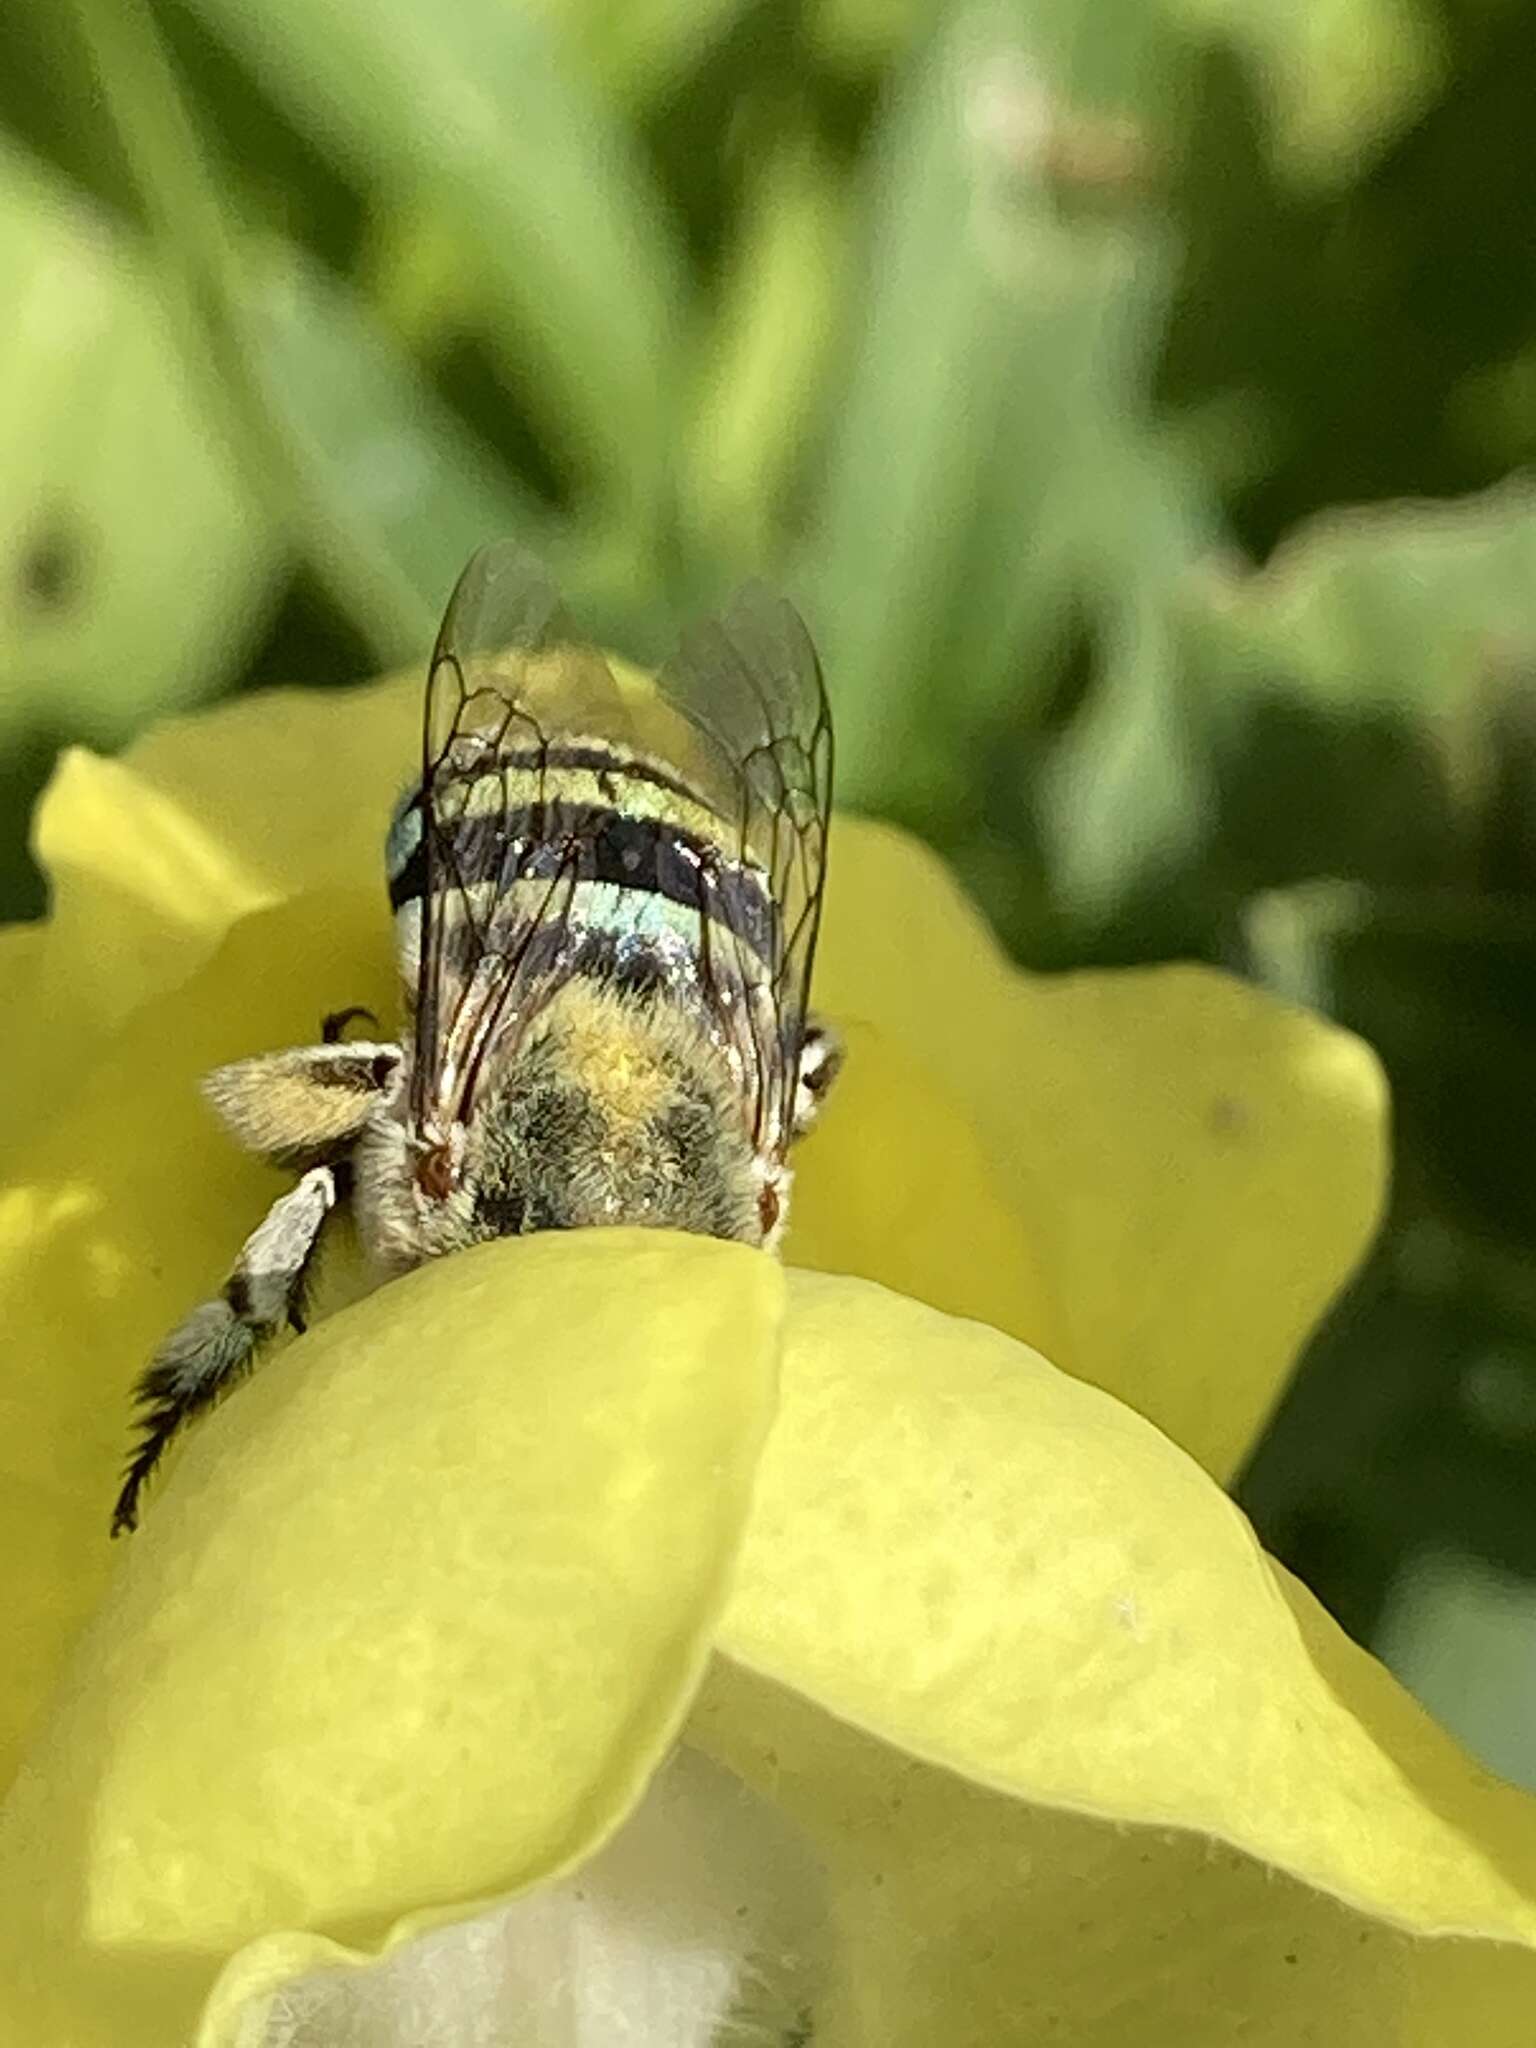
{"x": 732, "y": 743}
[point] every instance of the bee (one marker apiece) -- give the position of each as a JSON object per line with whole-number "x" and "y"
{"x": 606, "y": 902}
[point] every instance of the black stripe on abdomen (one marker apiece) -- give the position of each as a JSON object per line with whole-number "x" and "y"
{"x": 537, "y": 842}
{"x": 602, "y": 761}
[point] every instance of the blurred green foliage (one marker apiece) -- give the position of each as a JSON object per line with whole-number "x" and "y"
{"x": 1133, "y": 394}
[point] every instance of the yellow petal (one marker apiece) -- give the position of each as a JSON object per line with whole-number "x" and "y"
{"x": 121, "y": 1210}
{"x": 411, "y": 1623}
{"x": 1003, "y": 1571}
{"x": 22, "y": 947}
{"x": 1247, "y": 1146}
{"x": 896, "y": 1184}
{"x": 965, "y": 1918}
{"x": 1056, "y": 1154}
{"x": 152, "y": 858}
{"x": 140, "y": 893}
{"x": 297, "y": 784}
{"x": 1196, "y": 1167}
{"x": 133, "y": 878}
{"x": 703, "y": 1919}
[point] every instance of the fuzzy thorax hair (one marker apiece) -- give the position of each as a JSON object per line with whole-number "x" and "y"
{"x": 616, "y": 1108}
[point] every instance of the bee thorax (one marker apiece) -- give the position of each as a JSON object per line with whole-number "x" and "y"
{"x": 617, "y": 1108}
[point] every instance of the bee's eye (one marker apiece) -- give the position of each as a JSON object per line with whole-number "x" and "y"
{"x": 768, "y": 1207}
{"x": 434, "y": 1173}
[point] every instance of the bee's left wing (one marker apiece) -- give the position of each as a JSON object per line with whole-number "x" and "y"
{"x": 510, "y": 676}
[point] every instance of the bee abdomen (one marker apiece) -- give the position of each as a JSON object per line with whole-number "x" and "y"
{"x": 509, "y": 857}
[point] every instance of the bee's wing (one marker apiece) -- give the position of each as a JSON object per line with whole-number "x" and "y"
{"x": 739, "y": 715}
{"x": 748, "y": 684}
{"x": 510, "y": 674}
{"x": 510, "y": 665}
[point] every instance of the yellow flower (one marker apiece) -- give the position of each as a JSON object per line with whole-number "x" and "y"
{"x": 1037, "y": 1742}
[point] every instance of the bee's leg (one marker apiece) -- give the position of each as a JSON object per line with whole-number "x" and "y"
{"x": 216, "y": 1345}
{"x": 821, "y": 1055}
{"x": 307, "y": 1105}
{"x": 334, "y": 1023}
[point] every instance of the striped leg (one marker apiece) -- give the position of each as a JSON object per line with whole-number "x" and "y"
{"x": 216, "y": 1345}
{"x": 821, "y": 1056}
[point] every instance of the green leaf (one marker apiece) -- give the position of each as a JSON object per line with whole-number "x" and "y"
{"x": 134, "y": 564}
{"x": 635, "y": 53}
{"x": 397, "y": 493}
{"x": 766, "y": 355}
{"x": 1340, "y": 78}
{"x": 466, "y": 106}
{"x": 1383, "y": 648}
{"x": 989, "y": 460}
{"x": 1459, "y": 1631}
{"x": 371, "y": 475}
{"x": 1388, "y": 648}
{"x": 1407, "y": 607}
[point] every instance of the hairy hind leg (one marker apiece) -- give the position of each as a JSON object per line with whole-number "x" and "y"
{"x": 216, "y": 1345}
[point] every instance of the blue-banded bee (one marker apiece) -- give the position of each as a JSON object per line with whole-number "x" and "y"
{"x": 606, "y": 902}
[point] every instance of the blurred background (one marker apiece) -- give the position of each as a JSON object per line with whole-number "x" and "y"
{"x": 1135, "y": 395}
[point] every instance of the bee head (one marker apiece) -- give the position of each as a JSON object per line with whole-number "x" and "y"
{"x": 617, "y": 1109}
